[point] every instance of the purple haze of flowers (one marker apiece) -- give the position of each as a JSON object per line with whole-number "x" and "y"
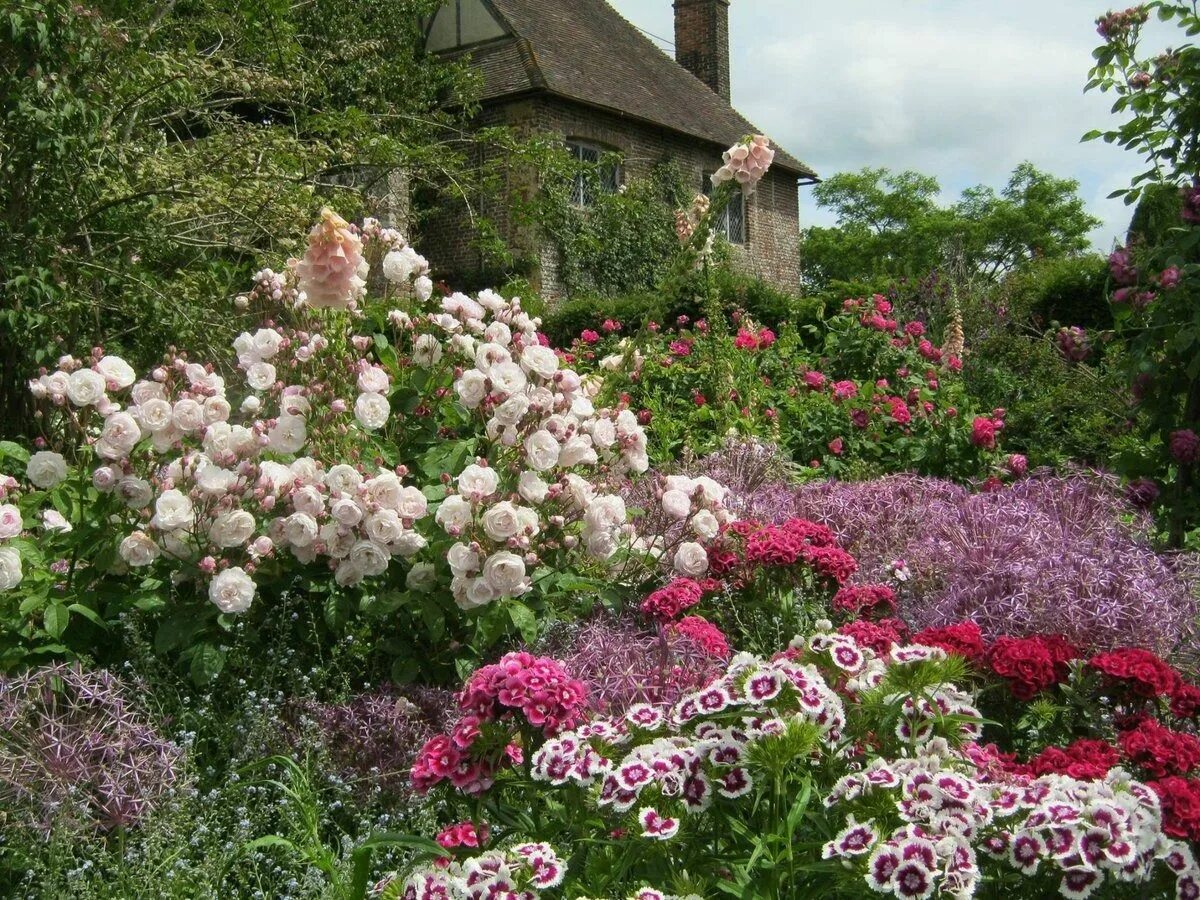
{"x": 74, "y": 749}
{"x": 374, "y": 737}
{"x": 1056, "y": 554}
{"x": 623, "y": 664}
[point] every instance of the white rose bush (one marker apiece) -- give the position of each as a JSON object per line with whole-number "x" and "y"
{"x": 428, "y": 462}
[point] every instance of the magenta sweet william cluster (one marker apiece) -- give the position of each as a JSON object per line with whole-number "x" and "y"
{"x": 670, "y": 600}
{"x": 707, "y": 636}
{"x": 538, "y": 689}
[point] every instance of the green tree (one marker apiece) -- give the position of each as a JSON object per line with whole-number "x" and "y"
{"x": 150, "y": 153}
{"x": 892, "y": 225}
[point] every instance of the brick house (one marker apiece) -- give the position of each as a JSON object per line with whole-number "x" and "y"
{"x": 578, "y": 71}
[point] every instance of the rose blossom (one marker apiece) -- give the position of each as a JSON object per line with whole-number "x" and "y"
{"x": 138, "y": 549}
{"x": 505, "y": 573}
{"x": 10, "y": 568}
{"x": 372, "y": 411}
{"x": 542, "y": 450}
{"x": 691, "y": 559}
{"x": 232, "y": 591}
{"x": 45, "y": 469}
{"x": 454, "y": 514}
{"x": 477, "y": 482}
{"x": 502, "y": 521}
{"x": 86, "y": 387}
{"x": 10, "y": 521}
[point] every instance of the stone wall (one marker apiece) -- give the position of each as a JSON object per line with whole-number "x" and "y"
{"x": 771, "y": 251}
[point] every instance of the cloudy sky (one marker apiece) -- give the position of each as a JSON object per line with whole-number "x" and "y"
{"x": 960, "y": 89}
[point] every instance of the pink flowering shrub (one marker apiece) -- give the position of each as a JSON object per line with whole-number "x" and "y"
{"x": 874, "y": 394}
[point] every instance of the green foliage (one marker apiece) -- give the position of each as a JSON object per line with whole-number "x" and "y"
{"x": 620, "y": 242}
{"x": 1158, "y": 104}
{"x": 1059, "y": 412}
{"x": 697, "y": 386}
{"x": 890, "y": 224}
{"x": 765, "y": 304}
{"x": 1069, "y": 291}
{"x": 151, "y": 155}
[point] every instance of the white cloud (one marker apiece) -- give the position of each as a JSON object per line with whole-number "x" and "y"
{"x": 962, "y": 91}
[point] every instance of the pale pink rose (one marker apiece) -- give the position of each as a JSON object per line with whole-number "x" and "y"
{"x": 10, "y": 521}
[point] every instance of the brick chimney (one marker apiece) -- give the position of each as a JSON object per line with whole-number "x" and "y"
{"x": 702, "y": 41}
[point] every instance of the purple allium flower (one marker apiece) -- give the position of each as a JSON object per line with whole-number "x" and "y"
{"x": 374, "y": 737}
{"x": 623, "y": 664}
{"x": 1051, "y": 554}
{"x": 75, "y": 749}
{"x": 1141, "y": 493}
{"x": 1185, "y": 446}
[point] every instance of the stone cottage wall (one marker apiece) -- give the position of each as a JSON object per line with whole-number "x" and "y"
{"x": 772, "y": 225}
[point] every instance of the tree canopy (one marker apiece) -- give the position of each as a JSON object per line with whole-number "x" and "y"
{"x": 150, "y": 153}
{"x": 892, "y": 224}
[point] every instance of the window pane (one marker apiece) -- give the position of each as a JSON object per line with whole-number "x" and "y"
{"x": 443, "y": 35}
{"x": 476, "y": 23}
{"x": 610, "y": 179}
{"x": 736, "y": 231}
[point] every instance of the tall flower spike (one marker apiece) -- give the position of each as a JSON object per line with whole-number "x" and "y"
{"x": 332, "y": 274}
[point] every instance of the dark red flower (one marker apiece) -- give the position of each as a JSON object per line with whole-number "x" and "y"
{"x": 1159, "y": 750}
{"x": 1085, "y": 759}
{"x": 965, "y": 639}
{"x": 865, "y": 599}
{"x": 1029, "y": 664}
{"x": 1180, "y": 799}
{"x": 1139, "y": 670}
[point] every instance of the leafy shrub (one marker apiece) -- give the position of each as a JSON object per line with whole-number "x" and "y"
{"x": 1058, "y": 410}
{"x": 1070, "y": 291}
{"x": 867, "y": 394}
{"x": 565, "y": 320}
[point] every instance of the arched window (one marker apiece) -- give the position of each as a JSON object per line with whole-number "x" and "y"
{"x": 597, "y": 172}
{"x": 461, "y": 23}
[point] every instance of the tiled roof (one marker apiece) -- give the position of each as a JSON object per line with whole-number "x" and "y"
{"x": 586, "y": 51}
